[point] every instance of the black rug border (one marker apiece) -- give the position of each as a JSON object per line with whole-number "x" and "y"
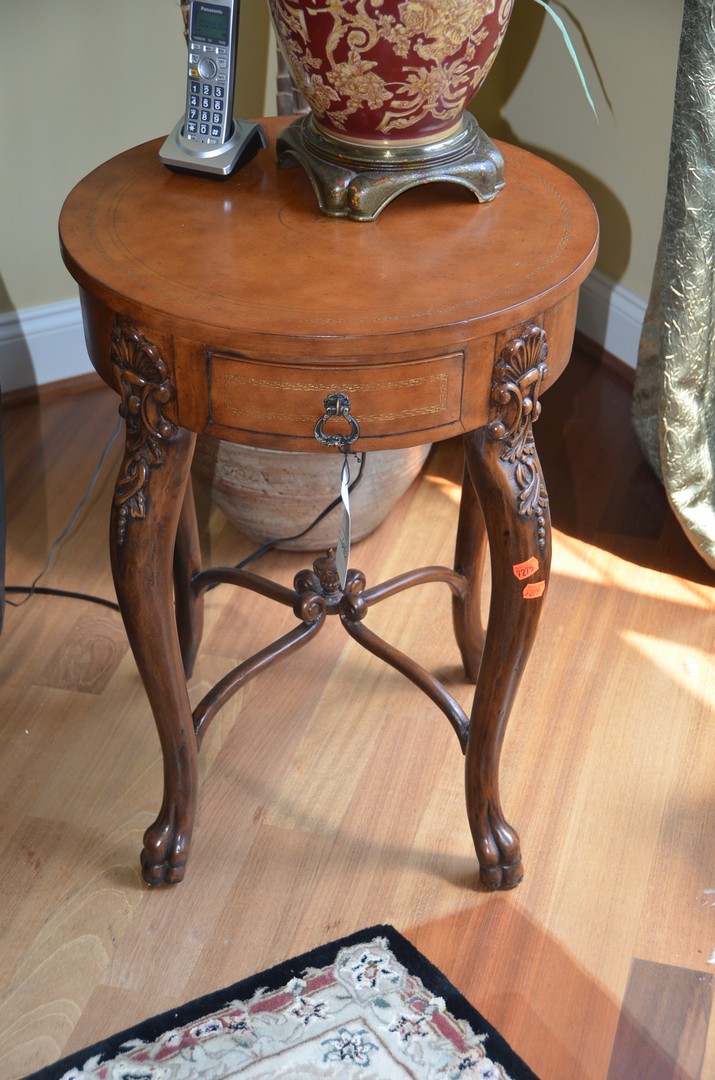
{"x": 277, "y": 976}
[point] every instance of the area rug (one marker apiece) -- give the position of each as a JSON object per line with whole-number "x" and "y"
{"x": 369, "y": 1006}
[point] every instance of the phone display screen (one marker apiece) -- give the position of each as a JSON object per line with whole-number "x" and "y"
{"x": 210, "y": 24}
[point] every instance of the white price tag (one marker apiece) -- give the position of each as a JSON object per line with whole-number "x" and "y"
{"x": 342, "y": 555}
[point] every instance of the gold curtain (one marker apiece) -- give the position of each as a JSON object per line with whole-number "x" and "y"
{"x": 674, "y": 401}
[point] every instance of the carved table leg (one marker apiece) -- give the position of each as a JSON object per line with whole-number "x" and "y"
{"x": 469, "y": 556}
{"x": 148, "y": 501}
{"x": 504, "y": 469}
{"x": 187, "y": 563}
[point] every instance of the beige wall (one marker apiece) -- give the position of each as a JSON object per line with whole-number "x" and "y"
{"x": 80, "y": 81}
{"x": 88, "y": 78}
{"x": 533, "y": 97}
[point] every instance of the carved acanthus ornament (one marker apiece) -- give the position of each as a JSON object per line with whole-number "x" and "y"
{"x": 517, "y": 378}
{"x": 142, "y": 379}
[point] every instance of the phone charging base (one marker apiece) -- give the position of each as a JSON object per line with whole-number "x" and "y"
{"x": 219, "y": 160}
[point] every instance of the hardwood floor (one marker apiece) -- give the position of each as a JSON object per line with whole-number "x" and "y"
{"x": 332, "y": 790}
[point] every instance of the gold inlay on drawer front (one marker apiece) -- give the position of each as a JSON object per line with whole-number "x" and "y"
{"x": 284, "y": 399}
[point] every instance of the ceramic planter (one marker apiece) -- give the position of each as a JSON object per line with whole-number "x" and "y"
{"x": 268, "y": 494}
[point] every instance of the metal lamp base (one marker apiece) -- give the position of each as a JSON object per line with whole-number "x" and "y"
{"x": 355, "y": 181}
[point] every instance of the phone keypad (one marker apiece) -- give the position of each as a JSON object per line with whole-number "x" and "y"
{"x": 205, "y": 109}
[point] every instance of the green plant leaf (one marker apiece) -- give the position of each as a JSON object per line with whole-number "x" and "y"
{"x": 572, "y": 52}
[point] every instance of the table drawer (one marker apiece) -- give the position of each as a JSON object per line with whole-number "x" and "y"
{"x": 261, "y": 399}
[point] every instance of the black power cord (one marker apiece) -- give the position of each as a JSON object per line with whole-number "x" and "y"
{"x": 42, "y": 590}
{"x": 268, "y": 545}
{"x": 33, "y": 589}
{"x": 30, "y": 590}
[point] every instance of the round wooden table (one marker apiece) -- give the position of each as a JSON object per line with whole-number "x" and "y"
{"x": 236, "y": 309}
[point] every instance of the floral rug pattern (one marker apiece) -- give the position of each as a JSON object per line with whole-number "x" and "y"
{"x": 362, "y": 1013}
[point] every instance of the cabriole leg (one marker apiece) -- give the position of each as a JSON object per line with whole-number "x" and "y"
{"x": 470, "y": 551}
{"x": 187, "y": 563}
{"x": 148, "y": 499}
{"x": 504, "y": 469}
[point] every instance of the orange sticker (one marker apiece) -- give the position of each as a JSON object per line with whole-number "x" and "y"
{"x": 524, "y": 570}
{"x": 534, "y": 590}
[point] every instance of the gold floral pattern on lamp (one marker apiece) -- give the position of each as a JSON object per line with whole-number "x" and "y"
{"x": 384, "y": 70}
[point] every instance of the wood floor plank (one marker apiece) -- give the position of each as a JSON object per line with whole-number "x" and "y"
{"x": 678, "y": 920}
{"x": 664, "y": 1022}
{"x": 94, "y": 645}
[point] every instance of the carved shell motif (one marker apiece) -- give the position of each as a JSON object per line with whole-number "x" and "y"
{"x": 142, "y": 379}
{"x": 377, "y": 70}
{"x": 517, "y": 378}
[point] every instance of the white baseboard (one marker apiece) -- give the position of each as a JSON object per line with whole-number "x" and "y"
{"x": 42, "y": 345}
{"x": 612, "y": 316}
{"x": 46, "y": 344}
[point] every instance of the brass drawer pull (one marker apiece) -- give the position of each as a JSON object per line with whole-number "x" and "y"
{"x": 337, "y": 405}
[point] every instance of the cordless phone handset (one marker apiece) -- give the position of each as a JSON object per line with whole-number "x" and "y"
{"x": 211, "y": 71}
{"x": 208, "y": 139}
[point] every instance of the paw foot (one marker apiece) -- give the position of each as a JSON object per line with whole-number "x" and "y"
{"x": 166, "y": 849}
{"x": 499, "y": 852}
{"x": 502, "y": 876}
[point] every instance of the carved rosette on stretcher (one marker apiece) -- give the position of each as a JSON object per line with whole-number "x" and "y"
{"x": 388, "y": 83}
